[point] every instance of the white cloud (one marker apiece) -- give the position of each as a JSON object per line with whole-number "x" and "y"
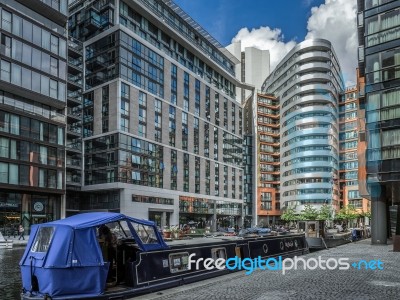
{"x": 265, "y": 38}
{"x": 336, "y": 21}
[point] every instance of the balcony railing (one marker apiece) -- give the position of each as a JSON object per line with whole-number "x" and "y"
{"x": 77, "y": 79}
{"x": 75, "y": 129}
{"x": 57, "y": 117}
{"x": 76, "y": 96}
{"x": 74, "y": 162}
{"x": 75, "y": 62}
{"x": 75, "y": 44}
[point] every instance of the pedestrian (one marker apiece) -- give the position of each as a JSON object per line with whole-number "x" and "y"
{"x": 21, "y": 231}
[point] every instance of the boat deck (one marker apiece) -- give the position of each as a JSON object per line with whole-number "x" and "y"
{"x": 213, "y": 239}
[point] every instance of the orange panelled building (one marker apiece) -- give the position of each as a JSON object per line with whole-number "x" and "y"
{"x": 268, "y": 159}
{"x": 351, "y": 151}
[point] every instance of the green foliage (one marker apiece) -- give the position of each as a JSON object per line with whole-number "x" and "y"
{"x": 347, "y": 213}
{"x": 309, "y": 213}
{"x": 366, "y": 214}
{"x": 289, "y": 215}
{"x": 324, "y": 213}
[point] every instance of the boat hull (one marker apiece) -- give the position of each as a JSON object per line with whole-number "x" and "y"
{"x": 148, "y": 271}
{"x": 321, "y": 243}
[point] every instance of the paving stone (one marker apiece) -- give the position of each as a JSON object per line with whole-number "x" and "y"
{"x": 352, "y": 284}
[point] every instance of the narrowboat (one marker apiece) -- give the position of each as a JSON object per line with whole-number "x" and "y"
{"x": 71, "y": 258}
{"x": 319, "y": 238}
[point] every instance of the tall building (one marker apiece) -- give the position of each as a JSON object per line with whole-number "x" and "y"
{"x": 349, "y": 148}
{"x": 307, "y": 82}
{"x": 253, "y": 69}
{"x": 162, "y": 130}
{"x": 33, "y": 59}
{"x": 379, "y": 63}
{"x": 267, "y": 159}
{"x": 261, "y": 159}
{"x": 73, "y": 145}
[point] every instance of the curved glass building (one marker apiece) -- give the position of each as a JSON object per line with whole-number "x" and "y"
{"x": 307, "y": 82}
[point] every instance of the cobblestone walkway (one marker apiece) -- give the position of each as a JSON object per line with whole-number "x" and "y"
{"x": 304, "y": 284}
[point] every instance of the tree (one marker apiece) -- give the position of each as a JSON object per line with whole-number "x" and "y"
{"x": 324, "y": 213}
{"x": 366, "y": 214}
{"x": 289, "y": 215}
{"x": 309, "y": 213}
{"x": 347, "y": 213}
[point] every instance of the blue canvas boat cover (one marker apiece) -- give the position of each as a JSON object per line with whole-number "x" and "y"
{"x": 71, "y": 244}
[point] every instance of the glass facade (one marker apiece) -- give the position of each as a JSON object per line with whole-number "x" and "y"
{"x": 382, "y": 78}
{"x": 33, "y": 76}
{"x": 307, "y": 82}
{"x": 379, "y": 79}
{"x": 149, "y": 132}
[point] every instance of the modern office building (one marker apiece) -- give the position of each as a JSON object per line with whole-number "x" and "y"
{"x": 253, "y": 69}
{"x": 162, "y": 130}
{"x": 349, "y": 148}
{"x": 33, "y": 59}
{"x": 379, "y": 63}
{"x": 308, "y": 84}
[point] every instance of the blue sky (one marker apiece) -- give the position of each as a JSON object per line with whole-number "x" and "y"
{"x": 278, "y": 25}
{"x": 224, "y": 18}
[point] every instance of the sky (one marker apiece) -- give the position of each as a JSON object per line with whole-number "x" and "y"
{"x": 278, "y": 25}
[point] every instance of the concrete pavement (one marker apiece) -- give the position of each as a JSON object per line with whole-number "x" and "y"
{"x": 354, "y": 283}
{"x": 16, "y": 242}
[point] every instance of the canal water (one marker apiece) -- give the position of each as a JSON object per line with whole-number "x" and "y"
{"x": 10, "y": 276}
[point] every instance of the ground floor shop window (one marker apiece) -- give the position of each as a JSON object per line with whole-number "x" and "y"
{"x": 26, "y": 209}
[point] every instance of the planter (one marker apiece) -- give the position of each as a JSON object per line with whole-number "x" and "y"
{"x": 167, "y": 234}
{"x": 175, "y": 235}
{"x": 396, "y": 243}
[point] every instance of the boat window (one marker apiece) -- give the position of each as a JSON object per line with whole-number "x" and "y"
{"x": 218, "y": 253}
{"x": 120, "y": 229}
{"x": 146, "y": 233}
{"x": 43, "y": 239}
{"x": 178, "y": 262}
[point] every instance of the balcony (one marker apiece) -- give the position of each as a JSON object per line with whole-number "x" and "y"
{"x": 54, "y": 10}
{"x": 74, "y": 146}
{"x": 75, "y": 63}
{"x": 92, "y": 23}
{"x": 57, "y": 117}
{"x": 75, "y": 46}
{"x": 75, "y": 79}
{"x": 75, "y": 112}
{"x": 75, "y": 96}
{"x": 96, "y": 63}
{"x": 73, "y": 179}
{"x": 74, "y": 129}
{"x": 87, "y": 118}
{"x": 74, "y": 163}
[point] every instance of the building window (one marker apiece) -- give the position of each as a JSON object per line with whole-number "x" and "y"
{"x": 124, "y": 107}
{"x": 124, "y": 124}
{"x": 6, "y": 20}
{"x": 142, "y": 99}
{"x": 5, "y": 71}
{"x": 142, "y": 130}
{"x": 157, "y": 106}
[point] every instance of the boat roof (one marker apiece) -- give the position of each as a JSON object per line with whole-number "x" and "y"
{"x": 92, "y": 219}
{"x": 220, "y": 239}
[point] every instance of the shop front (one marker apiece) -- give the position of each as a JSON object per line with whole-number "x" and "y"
{"x": 27, "y": 209}
{"x": 205, "y": 213}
